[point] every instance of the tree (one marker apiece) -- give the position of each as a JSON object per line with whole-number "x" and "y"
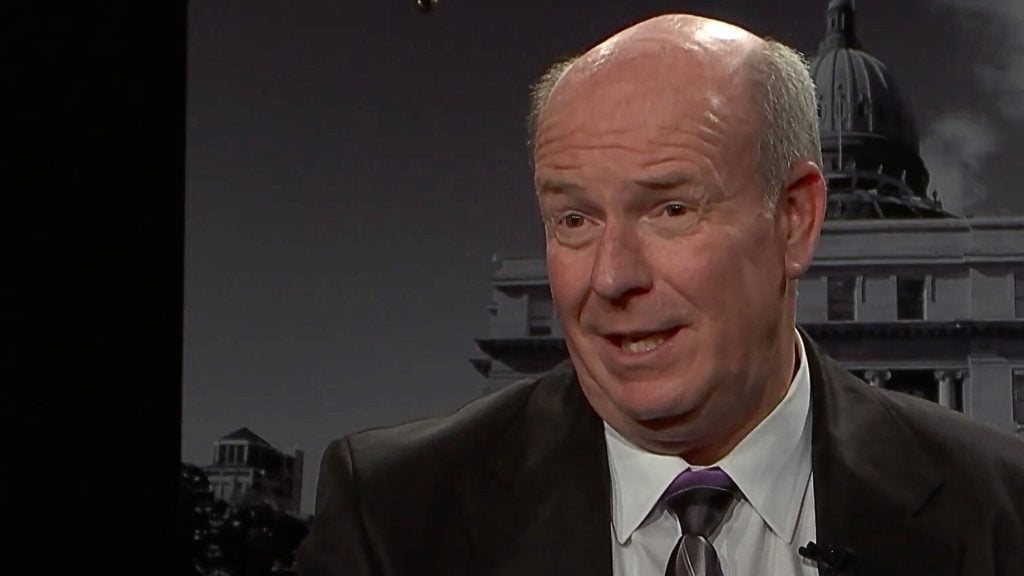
{"x": 252, "y": 538}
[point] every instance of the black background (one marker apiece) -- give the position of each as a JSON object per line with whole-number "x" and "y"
{"x": 93, "y": 241}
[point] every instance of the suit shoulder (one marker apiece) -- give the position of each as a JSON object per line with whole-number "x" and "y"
{"x": 953, "y": 437}
{"x": 450, "y": 441}
{"x": 979, "y": 448}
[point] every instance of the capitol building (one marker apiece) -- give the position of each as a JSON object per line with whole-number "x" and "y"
{"x": 901, "y": 292}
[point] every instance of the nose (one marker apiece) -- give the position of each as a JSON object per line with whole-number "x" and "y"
{"x": 620, "y": 267}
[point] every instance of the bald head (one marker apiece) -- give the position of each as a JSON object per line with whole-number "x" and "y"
{"x": 694, "y": 43}
{"x": 704, "y": 42}
{"x": 697, "y": 61}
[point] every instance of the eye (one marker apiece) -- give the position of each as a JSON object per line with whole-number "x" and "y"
{"x": 573, "y": 229}
{"x": 676, "y": 217}
{"x": 572, "y": 220}
{"x": 676, "y": 209}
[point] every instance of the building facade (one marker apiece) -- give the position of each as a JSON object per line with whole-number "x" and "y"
{"x": 902, "y": 293}
{"x": 245, "y": 467}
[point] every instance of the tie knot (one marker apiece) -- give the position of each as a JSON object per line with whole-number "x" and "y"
{"x": 700, "y": 499}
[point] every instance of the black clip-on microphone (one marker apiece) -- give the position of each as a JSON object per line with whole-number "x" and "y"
{"x": 830, "y": 558}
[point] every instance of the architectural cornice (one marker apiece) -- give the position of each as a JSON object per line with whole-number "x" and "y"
{"x": 913, "y": 328}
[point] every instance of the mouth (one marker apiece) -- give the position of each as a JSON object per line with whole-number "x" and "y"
{"x": 639, "y": 343}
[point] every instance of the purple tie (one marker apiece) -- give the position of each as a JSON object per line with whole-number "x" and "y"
{"x": 700, "y": 500}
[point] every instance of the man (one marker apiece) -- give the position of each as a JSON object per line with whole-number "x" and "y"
{"x": 694, "y": 430}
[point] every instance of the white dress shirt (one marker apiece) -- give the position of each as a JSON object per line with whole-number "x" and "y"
{"x": 761, "y": 535}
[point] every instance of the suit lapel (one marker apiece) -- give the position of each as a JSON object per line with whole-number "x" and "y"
{"x": 543, "y": 506}
{"x": 873, "y": 480}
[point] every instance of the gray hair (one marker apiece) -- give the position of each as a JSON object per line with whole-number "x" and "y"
{"x": 784, "y": 91}
{"x": 789, "y": 114}
{"x": 540, "y": 91}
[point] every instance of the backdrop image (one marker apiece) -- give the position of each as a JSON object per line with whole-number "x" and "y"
{"x": 363, "y": 245}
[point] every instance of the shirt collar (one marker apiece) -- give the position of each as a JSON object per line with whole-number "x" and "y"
{"x": 771, "y": 466}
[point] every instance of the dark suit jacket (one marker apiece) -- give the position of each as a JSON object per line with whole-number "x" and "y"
{"x": 517, "y": 483}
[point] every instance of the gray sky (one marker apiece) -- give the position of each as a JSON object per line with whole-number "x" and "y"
{"x": 354, "y": 164}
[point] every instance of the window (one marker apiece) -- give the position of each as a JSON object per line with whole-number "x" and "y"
{"x": 919, "y": 383}
{"x": 840, "y": 298}
{"x": 539, "y": 312}
{"x": 1018, "y": 294}
{"x": 910, "y": 299}
{"x": 865, "y": 108}
{"x": 1018, "y": 398}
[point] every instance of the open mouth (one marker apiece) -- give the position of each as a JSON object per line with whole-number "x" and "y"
{"x": 641, "y": 342}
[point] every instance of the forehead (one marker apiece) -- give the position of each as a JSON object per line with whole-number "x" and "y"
{"x": 650, "y": 82}
{"x": 638, "y": 95}
{"x": 651, "y": 103}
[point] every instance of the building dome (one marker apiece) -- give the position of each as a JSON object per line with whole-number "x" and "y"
{"x": 869, "y": 138}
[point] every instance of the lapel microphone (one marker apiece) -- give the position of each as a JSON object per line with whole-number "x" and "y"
{"x": 829, "y": 558}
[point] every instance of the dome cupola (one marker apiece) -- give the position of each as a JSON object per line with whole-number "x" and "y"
{"x": 869, "y": 138}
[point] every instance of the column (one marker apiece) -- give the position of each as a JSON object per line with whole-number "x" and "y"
{"x": 947, "y": 380}
{"x": 877, "y": 378}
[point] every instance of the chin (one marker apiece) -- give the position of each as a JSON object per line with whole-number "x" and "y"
{"x": 654, "y": 404}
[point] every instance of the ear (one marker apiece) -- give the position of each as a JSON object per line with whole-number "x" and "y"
{"x": 802, "y": 210}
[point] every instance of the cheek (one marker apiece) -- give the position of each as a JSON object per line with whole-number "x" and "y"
{"x": 728, "y": 277}
{"x": 569, "y": 279}
{"x": 753, "y": 284}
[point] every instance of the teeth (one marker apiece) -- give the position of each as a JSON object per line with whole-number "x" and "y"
{"x": 643, "y": 344}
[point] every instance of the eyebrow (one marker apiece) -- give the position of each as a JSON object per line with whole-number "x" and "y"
{"x": 666, "y": 181}
{"x": 552, "y": 187}
{"x": 657, "y": 182}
